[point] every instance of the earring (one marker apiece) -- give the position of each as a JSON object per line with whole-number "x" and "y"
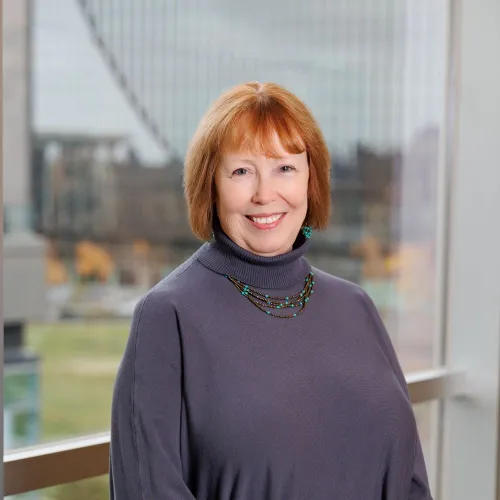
{"x": 212, "y": 237}
{"x": 307, "y": 231}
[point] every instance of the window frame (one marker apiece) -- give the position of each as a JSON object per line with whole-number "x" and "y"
{"x": 468, "y": 387}
{"x": 469, "y": 464}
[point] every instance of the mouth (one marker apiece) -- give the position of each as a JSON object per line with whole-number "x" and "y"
{"x": 266, "y": 221}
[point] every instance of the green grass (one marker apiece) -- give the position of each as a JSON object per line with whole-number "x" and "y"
{"x": 78, "y": 370}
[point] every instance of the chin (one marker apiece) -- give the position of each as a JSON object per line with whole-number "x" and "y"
{"x": 270, "y": 248}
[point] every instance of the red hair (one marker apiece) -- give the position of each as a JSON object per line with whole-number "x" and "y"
{"x": 247, "y": 118}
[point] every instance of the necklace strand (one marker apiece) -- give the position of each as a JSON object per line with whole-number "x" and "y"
{"x": 266, "y": 303}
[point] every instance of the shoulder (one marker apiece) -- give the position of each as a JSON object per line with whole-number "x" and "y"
{"x": 154, "y": 331}
{"x": 348, "y": 299}
{"x": 154, "y": 337}
{"x": 355, "y": 306}
{"x": 179, "y": 285}
{"x": 341, "y": 289}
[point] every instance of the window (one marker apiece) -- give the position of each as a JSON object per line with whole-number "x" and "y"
{"x": 102, "y": 105}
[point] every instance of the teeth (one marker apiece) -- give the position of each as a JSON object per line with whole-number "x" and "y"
{"x": 266, "y": 220}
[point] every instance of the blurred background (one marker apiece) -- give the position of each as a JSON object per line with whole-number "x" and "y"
{"x": 101, "y": 98}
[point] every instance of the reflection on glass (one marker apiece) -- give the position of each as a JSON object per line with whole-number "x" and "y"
{"x": 105, "y": 168}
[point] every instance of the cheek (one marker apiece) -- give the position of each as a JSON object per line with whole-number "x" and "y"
{"x": 230, "y": 199}
{"x": 296, "y": 195}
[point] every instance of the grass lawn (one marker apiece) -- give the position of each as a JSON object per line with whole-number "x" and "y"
{"x": 78, "y": 368}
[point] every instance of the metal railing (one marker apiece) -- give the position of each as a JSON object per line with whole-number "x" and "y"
{"x": 68, "y": 461}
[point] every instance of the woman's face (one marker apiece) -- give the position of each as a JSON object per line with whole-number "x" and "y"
{"x": 262, "y": 201}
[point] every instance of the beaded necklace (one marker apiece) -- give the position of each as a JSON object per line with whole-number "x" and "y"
{"x": 264, "y": 301}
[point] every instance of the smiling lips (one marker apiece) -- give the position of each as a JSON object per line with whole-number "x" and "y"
{"x": 266, "y": 221}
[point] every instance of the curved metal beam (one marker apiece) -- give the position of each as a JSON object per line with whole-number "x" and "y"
{"x": 114, "y": 64}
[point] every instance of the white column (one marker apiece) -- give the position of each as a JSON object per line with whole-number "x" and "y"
{"x": 16, "y": 114}
{"x": 471, "y": 425}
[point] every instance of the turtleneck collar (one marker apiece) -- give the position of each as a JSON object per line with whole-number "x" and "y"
{"x": 223, "y": 256}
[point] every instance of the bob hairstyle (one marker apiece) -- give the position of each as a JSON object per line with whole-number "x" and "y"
{"x": 247, "y": 119}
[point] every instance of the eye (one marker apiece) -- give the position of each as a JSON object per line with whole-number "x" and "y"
{"x": 240, "y": 171}
{"x": 287, "y": 168}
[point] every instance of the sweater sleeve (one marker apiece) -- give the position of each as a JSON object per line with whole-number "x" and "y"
{"x": 145, "y": 457}
{"x": 419, "y": 488}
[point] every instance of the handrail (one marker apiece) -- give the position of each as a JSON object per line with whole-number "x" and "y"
{"x": 67, "y": 461}
{"x": 52, "y": 464}
{"x": 435, "y": 384}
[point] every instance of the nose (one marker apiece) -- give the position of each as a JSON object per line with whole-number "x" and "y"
{"x": 265, "y": 191}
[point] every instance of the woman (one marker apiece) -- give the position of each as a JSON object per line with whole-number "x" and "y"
{"x": 249, "y": 375}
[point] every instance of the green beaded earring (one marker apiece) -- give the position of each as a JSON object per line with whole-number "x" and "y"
{"x": 307, "y": 231}
{"x": 212, "y": 237}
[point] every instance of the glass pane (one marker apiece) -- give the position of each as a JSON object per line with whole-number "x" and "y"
{"x": 78, "y": 368}
{"x": 427, "y": 415}
{"x": 88, "y": 489}
{"x": 95, "y": 197}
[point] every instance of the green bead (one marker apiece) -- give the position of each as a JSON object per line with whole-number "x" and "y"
{"x": 294, "y": 301}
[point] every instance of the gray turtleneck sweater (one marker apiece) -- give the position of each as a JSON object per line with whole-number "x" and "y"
{"x": 216, "y": 400}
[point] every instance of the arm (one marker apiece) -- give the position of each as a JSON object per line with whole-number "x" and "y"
{"x": 145, "y": 460}
{"x": 419, "y": 489}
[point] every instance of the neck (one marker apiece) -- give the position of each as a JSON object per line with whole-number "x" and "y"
{"x": 225, "y": 257}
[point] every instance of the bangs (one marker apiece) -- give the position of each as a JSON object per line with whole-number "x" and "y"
{"x": 261, "y": 130}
